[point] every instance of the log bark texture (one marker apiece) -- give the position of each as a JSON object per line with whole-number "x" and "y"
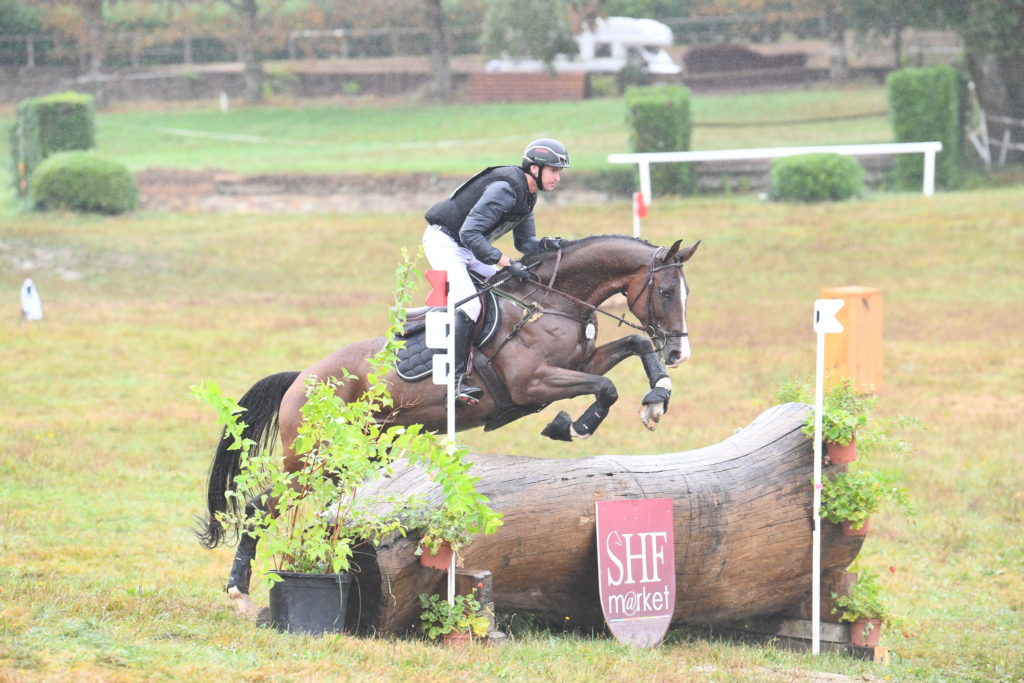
{"x": 742, "y": 514}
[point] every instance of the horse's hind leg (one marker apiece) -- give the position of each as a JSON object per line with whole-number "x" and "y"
{"x": 241, "y": 566}
{"x": 562, "y": 428}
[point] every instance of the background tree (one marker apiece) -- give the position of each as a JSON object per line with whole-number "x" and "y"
{"x": 528, "y": 29}
{"x": 18, "y": 19}
{"x": 835, "y": 28}
{"x": 887, "y": 19}
{"x": 82, "y": 19}
{"x": 248, "y": 12}
{"x": 440, "y": 49}
{"x": 993, "y": 35}
{"x": 256, "y": 26}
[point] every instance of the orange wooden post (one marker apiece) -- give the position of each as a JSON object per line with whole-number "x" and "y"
{"x": 857, "y": 351}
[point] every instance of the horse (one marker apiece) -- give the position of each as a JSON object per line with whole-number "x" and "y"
{"x": 543, "y": 350}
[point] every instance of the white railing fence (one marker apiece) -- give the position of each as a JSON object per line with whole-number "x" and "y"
{"x": 643, "y": 160}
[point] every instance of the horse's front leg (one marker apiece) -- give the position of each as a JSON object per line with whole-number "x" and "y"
{"x": 655, "y": 403}
{"x": 549, "y": 384}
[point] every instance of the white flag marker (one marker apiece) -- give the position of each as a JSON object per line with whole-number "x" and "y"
{"x": 31, "y": 304}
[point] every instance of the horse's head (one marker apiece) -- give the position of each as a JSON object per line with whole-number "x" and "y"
{"x": 657, "y": 297}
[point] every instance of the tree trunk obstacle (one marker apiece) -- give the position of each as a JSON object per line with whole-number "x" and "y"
{"x": 742, "y": 514}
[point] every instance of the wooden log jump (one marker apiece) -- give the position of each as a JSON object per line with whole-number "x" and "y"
{"x": 742, "y": 515}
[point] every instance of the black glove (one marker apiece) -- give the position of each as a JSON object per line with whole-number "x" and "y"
{"x": 518, "y": 271}
{"x": 552, "y": 243}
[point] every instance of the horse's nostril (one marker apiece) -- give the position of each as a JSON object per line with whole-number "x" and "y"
{"x": 673, "y": 357}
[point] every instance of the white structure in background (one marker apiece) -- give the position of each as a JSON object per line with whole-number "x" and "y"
{"x": 608, "y": 48}
{"x": 643, "y": 160}
{"x": 31, "y": 304}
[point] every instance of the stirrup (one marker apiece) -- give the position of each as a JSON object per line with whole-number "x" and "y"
{"x": 467, "y": 395}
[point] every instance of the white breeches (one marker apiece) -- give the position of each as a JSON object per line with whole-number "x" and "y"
{"x": 444, "y": 254}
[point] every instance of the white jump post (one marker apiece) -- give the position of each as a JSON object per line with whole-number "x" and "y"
{"x": 825, "y": 322}
{"x": 643, "y": 160}
{"x": 440, "y": 333}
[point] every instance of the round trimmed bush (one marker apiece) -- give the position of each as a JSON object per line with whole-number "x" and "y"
{"x": 816, "y": 177}
{"x": 83, "y": 182}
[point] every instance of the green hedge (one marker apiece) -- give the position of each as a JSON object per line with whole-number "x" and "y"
{"x": 50, "y": 124}
{"x": 83, "y": 182}
{"x": 816, "y": 178}
{"x": 924, "y": 103}
{"x": 660, "y": 121}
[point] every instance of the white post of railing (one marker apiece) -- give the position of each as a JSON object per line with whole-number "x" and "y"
{"x": 929, "y": 173}
{"x": 644, "y": 167}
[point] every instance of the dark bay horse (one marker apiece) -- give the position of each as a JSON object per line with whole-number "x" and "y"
{"x": 544, "y": 350}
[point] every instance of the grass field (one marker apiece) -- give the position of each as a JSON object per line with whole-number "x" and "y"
{"x": 105, "y": 453}
{"x": 408, "y": 136}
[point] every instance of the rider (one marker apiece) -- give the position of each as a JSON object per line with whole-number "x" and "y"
{"x": 461, "y": 229}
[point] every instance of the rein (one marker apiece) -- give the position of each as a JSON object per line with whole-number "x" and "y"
{"x": 655, "y": 331}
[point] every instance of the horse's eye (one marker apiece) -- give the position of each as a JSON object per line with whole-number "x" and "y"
{"x": 666, "y": 292}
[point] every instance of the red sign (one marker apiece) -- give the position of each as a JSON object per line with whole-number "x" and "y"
{"x": 438, "y": 281}
{"x": 636, "y": 566}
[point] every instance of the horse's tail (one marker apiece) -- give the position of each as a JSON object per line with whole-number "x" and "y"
{"x": 261, "y": 404}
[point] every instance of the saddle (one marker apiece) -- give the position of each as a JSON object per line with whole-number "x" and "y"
{"x": 415, "y": 359}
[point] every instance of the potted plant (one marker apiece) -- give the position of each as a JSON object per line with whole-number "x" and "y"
{"x": 845, "y": 411}
{"x": 865, "y": 607}
{"x": 313, "y": 520}
{"x": 454, "y": 622}
{"x": 850, "y": 498}
{"x": 444, "y": 532}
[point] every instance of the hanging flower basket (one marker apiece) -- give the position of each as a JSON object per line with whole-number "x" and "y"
{"x": 865, "y": 632}
{"x": 848, "y": 529}
{"x": 842, "y": 455}
{"x": 442, "y": 560}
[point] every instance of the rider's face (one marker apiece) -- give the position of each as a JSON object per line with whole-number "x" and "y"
{"x": 550, "y": 177}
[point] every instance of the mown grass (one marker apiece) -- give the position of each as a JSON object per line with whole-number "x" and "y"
{"x": 454, "y": 138}
{"x": 105, "y": 454}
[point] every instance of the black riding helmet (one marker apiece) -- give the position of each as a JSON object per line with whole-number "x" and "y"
{"x": 545, "y": 152}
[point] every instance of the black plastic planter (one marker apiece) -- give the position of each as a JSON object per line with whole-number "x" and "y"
{"x": 309, "y": 603}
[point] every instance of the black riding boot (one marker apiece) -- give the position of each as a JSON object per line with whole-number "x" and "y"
{"x": 465, "y": 391}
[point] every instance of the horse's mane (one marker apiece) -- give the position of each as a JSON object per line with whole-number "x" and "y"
{"x": 573, "y": 245}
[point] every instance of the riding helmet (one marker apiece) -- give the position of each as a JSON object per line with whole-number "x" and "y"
{"x": 546, "y": 152}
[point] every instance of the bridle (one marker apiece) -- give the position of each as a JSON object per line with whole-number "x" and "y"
{"x": 656, "y": 331}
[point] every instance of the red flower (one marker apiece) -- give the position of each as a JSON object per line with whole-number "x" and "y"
{"x": 892, "y": 570}
{"x": 480, "y": 585}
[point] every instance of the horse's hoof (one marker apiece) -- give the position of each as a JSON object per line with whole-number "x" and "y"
{"x": 650, "y": 414}
{"x": 242, "y": 602}
{"x": 558, "y": 429}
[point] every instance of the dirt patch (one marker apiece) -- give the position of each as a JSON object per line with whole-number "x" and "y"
{"x": 218, "y": 191}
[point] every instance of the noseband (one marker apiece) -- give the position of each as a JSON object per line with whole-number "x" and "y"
{"x": 655, "y": 330}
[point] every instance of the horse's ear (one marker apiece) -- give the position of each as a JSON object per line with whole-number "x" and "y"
{"x": 688, "y": 251}
{"x": 672, "y": 250}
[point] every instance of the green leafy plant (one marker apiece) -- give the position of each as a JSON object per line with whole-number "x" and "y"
{"x": 815, "y": 178}
{"x": 84, "y": 182}
{"x": 865, "y": 600}
{"x": 853, "y": 496}
{"x": 440, "y": 525}
{"x": 314, "y": 518}
{"x": 440, "y": 617}
{"x": 924, "y": 104}
{"x": 660, "y": 120}
{"x": 844, "y": 409}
